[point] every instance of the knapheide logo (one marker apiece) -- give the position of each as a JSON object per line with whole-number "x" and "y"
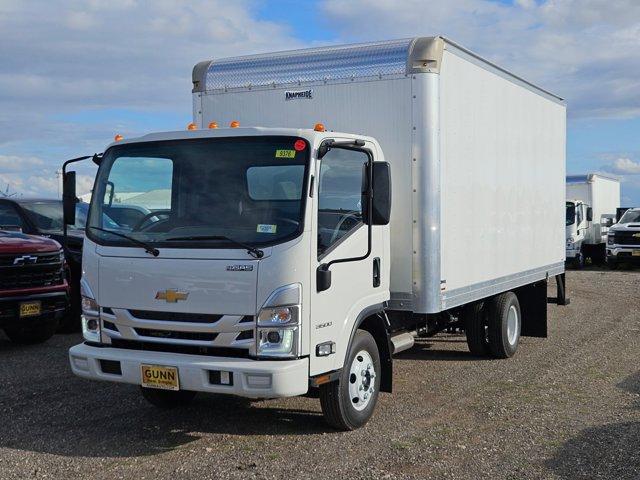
{"x": 297, "y": 94}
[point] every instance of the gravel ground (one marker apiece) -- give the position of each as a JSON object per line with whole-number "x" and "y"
{"x": 564, "y": 407}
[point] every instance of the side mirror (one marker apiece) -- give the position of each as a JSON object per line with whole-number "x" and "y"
{"x": 607, "y": 222}
{"x": 323, "y": 278}
{"x": 381, "y": 201}
{"x": 69, "y": 199}
{"x": 589, "y": 214}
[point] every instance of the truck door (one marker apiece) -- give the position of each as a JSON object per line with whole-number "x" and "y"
{"x": 340, "y": 233}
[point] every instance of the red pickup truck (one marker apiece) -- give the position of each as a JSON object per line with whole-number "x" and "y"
{"x": 34, "y": 293}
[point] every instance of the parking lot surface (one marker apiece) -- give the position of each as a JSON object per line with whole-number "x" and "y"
{"x": 567, "y": 407}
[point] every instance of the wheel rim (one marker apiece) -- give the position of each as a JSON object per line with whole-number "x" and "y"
{"x": 513, "y": 325}
{"x": 362, "y": 380}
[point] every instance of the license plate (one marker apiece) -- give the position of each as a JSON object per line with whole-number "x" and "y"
{"x": 636, "y": 253}
{"x": 157, "y": 376}
{"x": 29, "y": 309}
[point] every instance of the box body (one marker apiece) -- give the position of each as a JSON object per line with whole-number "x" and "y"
{"x": 598, "y": 191}
{"x": 477, "y": 154}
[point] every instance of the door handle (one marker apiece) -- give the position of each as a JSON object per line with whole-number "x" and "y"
{"x": 376, "y": 272}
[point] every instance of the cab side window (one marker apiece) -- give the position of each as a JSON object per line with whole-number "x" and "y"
{"x": 339, "y": 196}
{"x": 579, "y": 215}
{"x": 9, "y": 217}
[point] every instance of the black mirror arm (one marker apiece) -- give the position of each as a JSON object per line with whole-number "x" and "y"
{"x": 96, "y": 157}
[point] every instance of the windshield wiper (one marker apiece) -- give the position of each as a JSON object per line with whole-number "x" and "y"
{"x": 147, "y": 248}
{"x": 254, "y": 252}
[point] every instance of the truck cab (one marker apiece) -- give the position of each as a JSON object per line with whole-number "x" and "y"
{"x": 577, "y": 230}
{"x": 623, "y": 239}
{"x": 221, "y": 266}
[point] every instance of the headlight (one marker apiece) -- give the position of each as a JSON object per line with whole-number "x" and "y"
{"x": 610, "y": 239}
{"x": 570, "y": 241}
{"x": 90, "y": 314}
{"x": 279, "y": 331}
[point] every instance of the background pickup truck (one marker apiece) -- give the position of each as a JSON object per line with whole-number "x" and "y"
{"x": 34, "y": 293}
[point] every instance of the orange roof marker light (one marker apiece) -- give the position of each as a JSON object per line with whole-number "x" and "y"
{"x": 213, "y": 125}
{"x": 234, "y": 124}
{"x": 192, "y": 126}
{"x": 118, "y": 137}
{"x": 319, "y": 127}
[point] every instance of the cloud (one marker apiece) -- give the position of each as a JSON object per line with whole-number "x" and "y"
{"x": 583, "y": 50}
{"x": 15, "y": 163}
{"x": 77, "y": 72}
{"x": 623, "y": 166}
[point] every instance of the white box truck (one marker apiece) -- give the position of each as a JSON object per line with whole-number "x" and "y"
{"x": 363, "y": 195}
{"x": 592, "y": 201}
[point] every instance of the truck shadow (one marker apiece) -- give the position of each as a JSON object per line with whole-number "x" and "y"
{"x": 608, "y": 451}
{"x": 435, "y": 349}
{"x": 45, "y": 408}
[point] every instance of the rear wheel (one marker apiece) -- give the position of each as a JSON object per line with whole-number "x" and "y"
{"x": 348, "y": 403}
{"x": 505, "y": 325}
{"x": 32, "y": 334}
{"x": 474, "y": 318}
{"x": 167, "y": 399}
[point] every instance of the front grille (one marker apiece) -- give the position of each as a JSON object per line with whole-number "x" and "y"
{"x": 173, "y": 335}
{"x": 626, "y": 238}
{"x": 186, "y": 349}
{"x": 30, "y": 259}
{"x": 31, "y": 276}
{"x": 175, "y": 316}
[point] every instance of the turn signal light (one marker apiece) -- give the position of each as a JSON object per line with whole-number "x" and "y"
{"x": 192, "y": 126}
{"x": 319, "y": 127}
{"x": 118, "y": 137}
{"x": 213, "y": 125}
{"x": 234, "y": 124}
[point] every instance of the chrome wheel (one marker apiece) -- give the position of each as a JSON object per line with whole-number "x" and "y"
{"x": 513, "y": 325}
{"x": 362, "y": 375}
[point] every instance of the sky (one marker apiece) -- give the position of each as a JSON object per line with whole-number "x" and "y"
{"x": 73, "y": 73}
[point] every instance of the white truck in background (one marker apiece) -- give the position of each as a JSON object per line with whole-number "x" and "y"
{"x": 293, "y": 257}
{"x": 591, "y": 205}
{"x": 623, "y": 239}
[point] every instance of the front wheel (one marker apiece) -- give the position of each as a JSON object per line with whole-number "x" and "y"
{"x": 32, "y": 334}
{"x": 348, "y": 403}
{"x": 167, "y": 399}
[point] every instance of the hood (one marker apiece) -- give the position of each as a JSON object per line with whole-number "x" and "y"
{"x": 211, "y": 286}
{"x": 625, "y": 227}
{"x": 15, "y": 242}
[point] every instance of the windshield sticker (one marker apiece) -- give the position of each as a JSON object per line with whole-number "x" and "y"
{"x": 285, "y": 154}
{"x": 262, "y": 228}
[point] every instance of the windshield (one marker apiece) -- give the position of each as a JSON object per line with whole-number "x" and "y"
{"x": 630, "y": 216}
{"x": 189, "y": 193}
{"x": 571, "y": 213}
{"x": 48, "y": 216}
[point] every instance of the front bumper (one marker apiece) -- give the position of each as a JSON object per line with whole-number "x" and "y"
{"x": 623, "y": 254}
{"x": 53, "y": 305}
{"x": 572, "y": 253}
{"x": 251, "y": 378}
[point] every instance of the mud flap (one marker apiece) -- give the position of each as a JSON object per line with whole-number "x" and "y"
{"x": 533, "y": 307}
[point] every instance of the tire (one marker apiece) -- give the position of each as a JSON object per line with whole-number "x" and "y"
{"x": 168, "y": 399}
{"x": 505, "y": 325}
{"x": 71, "y": 321}
{"x": 578, "y": 262}
{"x": 32, "y": 334}
{"x": 474, "y": 318}
{"x": 359, "y": 379}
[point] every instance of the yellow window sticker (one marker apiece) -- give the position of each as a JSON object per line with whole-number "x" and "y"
{"x": 285, "y": 154}
{"x": 262, "y": 228}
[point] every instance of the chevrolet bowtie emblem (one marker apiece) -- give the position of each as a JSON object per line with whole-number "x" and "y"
{"x": 171, "y": 296}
